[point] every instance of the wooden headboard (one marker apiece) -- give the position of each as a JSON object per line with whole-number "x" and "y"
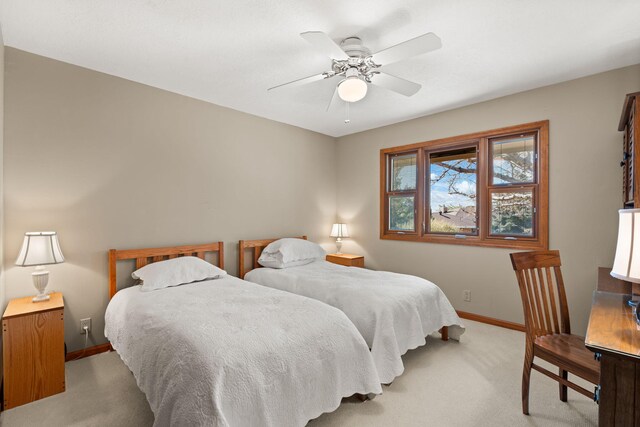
{"x": 257, "y": 246}
{"x": 150, "y": 255}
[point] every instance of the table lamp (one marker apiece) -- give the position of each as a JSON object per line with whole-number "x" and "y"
{"x": 339, "y": 231}
{"x": 40, "y": 249}
{"x": 626, "y": 265}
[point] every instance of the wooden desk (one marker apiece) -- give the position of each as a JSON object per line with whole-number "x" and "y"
{"x": 614, "y": 336}
{"x": 607, "y": 283}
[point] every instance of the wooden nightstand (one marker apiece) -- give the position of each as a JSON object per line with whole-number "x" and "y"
{"x": 347, "y": 259}
{"x": 33, "y": 349}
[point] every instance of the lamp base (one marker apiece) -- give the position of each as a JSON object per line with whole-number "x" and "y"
{"x": 41, "y": 298}
{"x": 338, "y": 246}
{"x": 40, "y": 279}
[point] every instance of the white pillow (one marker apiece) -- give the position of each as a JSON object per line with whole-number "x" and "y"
{"x": 175, "y": 272}
{"x": 275, "y": 261}
{"x": 285, "y": 253}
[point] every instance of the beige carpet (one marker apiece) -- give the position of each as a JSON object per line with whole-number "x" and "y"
{"x": 472, "y": 383}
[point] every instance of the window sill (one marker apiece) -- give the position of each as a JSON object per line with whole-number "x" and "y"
{"x": 469, "y": 241}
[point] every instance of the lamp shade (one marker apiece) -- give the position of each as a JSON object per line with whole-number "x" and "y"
{"x": 352, "y": 89}
{"x": 40, "y": 248}
{"x": 339, "y": 230}
{"x": 626, "y": 265}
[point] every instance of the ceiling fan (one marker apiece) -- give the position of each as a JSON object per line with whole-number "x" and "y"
{"x": 359, "y": 67}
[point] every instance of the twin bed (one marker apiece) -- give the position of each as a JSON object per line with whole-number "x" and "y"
{"x": 226, "y": 352}
{"x": 393, "y": 312}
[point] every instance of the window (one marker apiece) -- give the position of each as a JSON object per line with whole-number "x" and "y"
{"x": 453, "y": 189}
{"x": 402, "y": 192}
{"x": 486, "y": 189}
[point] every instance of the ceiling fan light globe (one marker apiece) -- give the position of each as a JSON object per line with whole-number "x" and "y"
{"x": 352, "y": 89}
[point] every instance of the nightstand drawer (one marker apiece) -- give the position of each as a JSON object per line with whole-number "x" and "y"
{"x": 33, "y": 355}
{"x": 348, "y": 260}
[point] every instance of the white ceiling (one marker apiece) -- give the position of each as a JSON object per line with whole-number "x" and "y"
{"x": 229, "y": 52}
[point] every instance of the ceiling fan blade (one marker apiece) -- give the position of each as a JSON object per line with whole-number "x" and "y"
{"x": 302, "y": 81}
{"x": 333, "y": 99}
{"x": 417, "y": 46}
{"x": 396, "y": 84}
{"x": 324, "y": 44}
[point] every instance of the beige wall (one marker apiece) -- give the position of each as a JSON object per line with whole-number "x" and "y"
{"x": 108, "y": 163}
{"x": 585, "y": 187}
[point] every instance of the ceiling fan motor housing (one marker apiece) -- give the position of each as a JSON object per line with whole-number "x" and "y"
{"x": 359, "y": 60}
{"x": 353, "y": 47}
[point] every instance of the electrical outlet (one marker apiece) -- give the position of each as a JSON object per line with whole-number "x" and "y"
{"x": 85, "y": 322}
{"x": 467, "y": 295}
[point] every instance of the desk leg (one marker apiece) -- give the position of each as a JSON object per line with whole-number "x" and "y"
{"x": 619, "y": 402}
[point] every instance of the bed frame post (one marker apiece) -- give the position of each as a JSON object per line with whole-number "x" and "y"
{"x": 112, "y": 273}
{"x": 221, "y": 255}
{"x": 445, "y": 333}
{"x": 241, "y": 260}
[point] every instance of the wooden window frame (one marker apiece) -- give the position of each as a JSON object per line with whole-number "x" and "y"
{"x": 390, "y": 193}
{"x": 540, "y": 239}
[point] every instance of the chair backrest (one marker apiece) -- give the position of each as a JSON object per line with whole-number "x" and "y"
{"x": 542, "y": 290}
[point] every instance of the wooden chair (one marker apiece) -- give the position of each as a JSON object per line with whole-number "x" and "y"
{"x": 546, "y": 317}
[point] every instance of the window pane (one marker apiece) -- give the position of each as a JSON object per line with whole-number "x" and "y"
{"x": 401, "y": 213}
{"x": 452, "y": 191}
{"x": 513, "y": 159}
{"x": 512, "y": 212}
{"x": 403, "y": 172}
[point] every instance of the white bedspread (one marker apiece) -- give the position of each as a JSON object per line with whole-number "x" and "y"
{"x": 393, "y": 312}
{"x": 227, "y": 352}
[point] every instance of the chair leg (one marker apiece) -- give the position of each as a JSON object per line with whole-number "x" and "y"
{"x": 563, "y": 388}
{"x": 526, "y": 377}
